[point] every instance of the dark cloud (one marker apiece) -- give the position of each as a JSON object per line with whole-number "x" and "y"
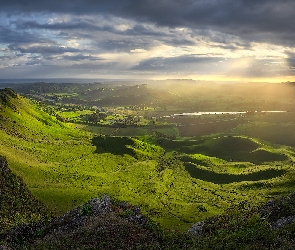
{"x": 82, "y": 36}
{"x": 88, "y": 25}
{"x": 118, "y": 45}
{"x": 41, "y": 49}
{"x": 9, "y": 35}
{"x": 35, "y": 69}
{"x": 72, "y": 24}
{"x": 142, "y": 30}
{"x": 57, "y": 6}
{"x": 204, "y": 64}
{"x": 291, "y": 61}
{"x": 241, "y": 17}
{"x": 177, "y": 41}
{"x": 136, "y": 36}
{"x": 179, "y": 63}
{"x": 33, "y": 63}
{"x": 81, "y": 57}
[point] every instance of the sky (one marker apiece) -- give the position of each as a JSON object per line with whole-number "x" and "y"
{"x": 215, "y": 40}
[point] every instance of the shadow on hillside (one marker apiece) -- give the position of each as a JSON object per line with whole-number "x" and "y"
{"x": 113, "y": 145}
{"x": 229, "y": 148}
{"x": 209, "y": 176}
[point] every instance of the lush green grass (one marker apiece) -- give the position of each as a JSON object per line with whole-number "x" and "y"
{"x": 74, "y": 115}
{"x": 138, "y": 131}
{"x": 209, "y": 176}
{"x": 229, "y": 148}
{"x": 64, "y": 166}
{"x": 276, "y": 128}
{"x": 17, "y": 205}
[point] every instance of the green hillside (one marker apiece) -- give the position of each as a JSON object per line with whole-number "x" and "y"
{"x": 64, "y": 166}
{"x": 17, "y": 204}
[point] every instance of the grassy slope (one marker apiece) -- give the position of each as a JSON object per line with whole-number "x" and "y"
{"x": 17, "y": 205}
{"x": 62, "y": 168}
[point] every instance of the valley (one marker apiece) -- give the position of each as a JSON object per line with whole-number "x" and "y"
{"x": 72, "y": 142}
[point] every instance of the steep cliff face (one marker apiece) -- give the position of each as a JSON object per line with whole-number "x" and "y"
{"x": 17, "y": 204}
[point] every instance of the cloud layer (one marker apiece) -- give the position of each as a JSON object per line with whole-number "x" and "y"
{"x": 218, "y": 39}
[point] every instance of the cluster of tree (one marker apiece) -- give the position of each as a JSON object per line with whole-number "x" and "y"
{"x": 96, "y": 116}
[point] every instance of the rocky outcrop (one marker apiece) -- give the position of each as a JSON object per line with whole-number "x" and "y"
{"x": 197, "y": 228}
{"x": 283, "y": 221}
{"x": 278, "y": 214}
{"x": 98, "y": 217}
{"x": 94, "y": 208}
{"x": 75, "y": 218}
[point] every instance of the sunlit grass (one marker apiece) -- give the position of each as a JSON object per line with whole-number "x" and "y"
{"x": 63, "y": 167}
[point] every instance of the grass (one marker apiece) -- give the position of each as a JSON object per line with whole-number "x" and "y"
{"x": 274, "y": 128}
{"x": 229, "y": 148}
{"x": 218, "y": 178}
{"x": 139, "y": 131}
{"x": 64, "y": 166}
{"x": 17, "y": 204}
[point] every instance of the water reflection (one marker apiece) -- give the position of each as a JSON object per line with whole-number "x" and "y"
{"x": 227, "y": 113}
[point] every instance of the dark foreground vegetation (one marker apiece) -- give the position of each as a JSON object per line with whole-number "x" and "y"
{"x": 139, "y": 144}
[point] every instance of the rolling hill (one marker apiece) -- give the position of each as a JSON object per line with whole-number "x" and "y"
{"x": 64, "y": 166}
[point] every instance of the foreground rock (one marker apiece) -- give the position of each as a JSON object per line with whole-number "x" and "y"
{"x": 197, "y": 228}
{"x": 98, "y": 223}
{"x": 275, "y": 215}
